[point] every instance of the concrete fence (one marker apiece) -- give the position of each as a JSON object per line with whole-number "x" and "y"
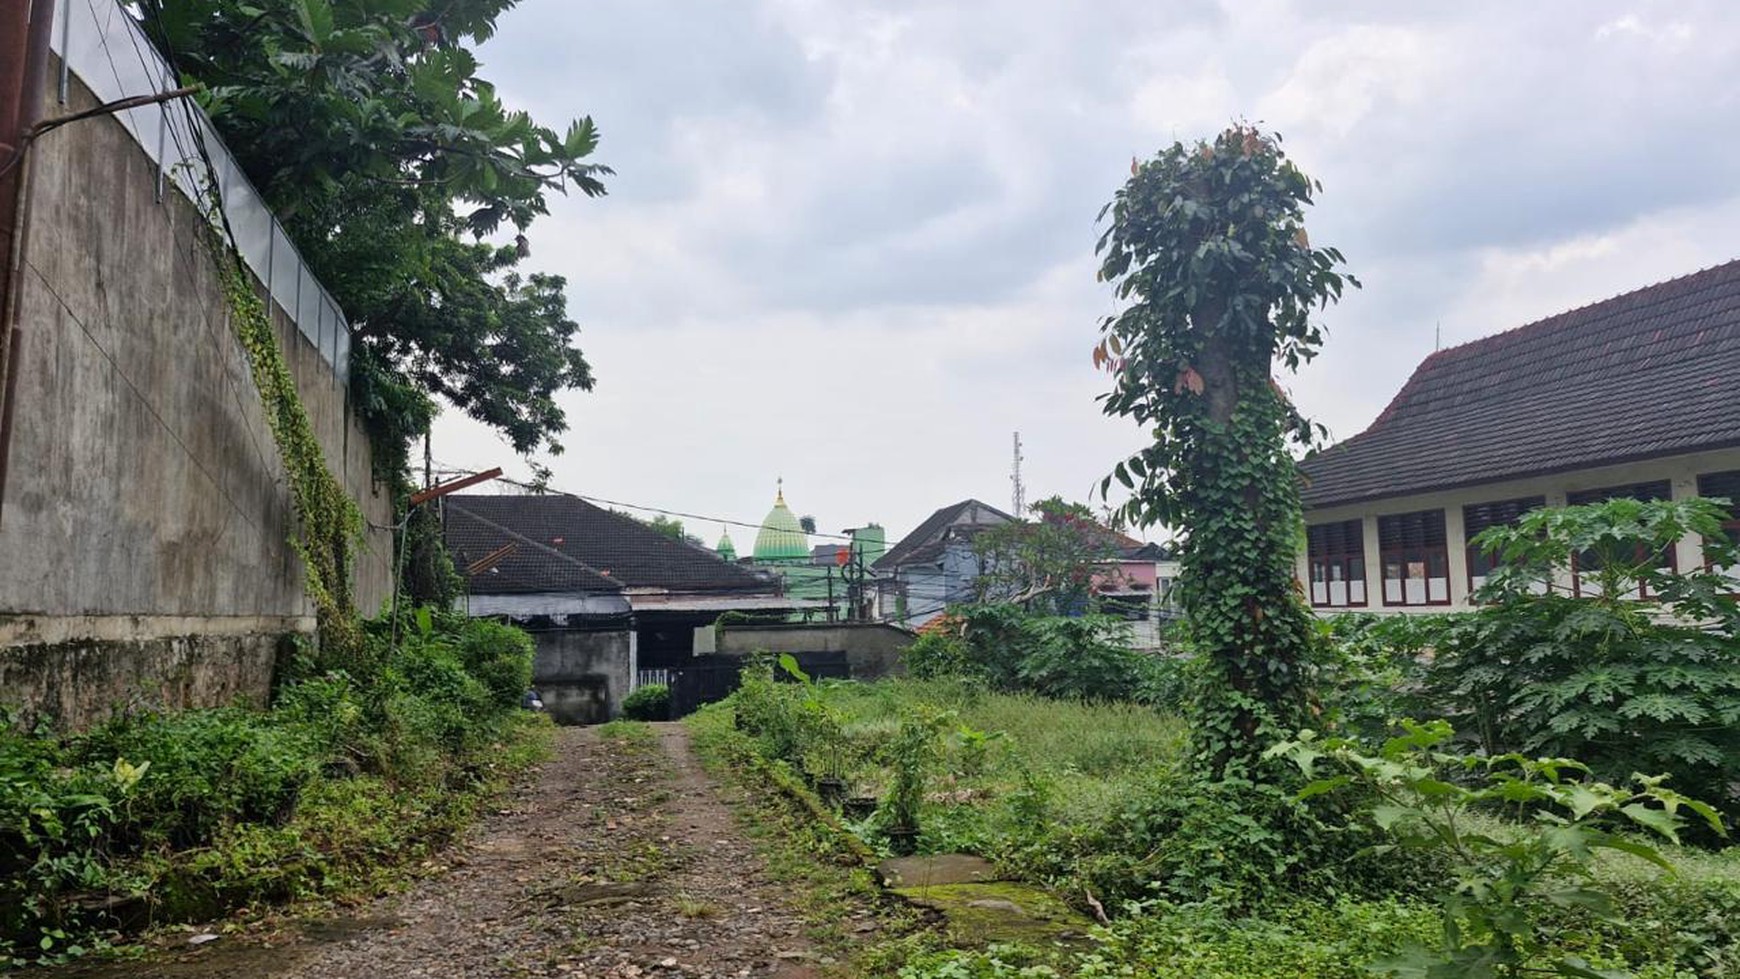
{"x": 144, "y": 545}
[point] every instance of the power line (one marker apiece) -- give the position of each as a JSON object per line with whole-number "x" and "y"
{"x": 601, "y": 501}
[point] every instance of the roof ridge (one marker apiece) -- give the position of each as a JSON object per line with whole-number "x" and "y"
{"x": 1564, "y": 314}
{"x": 480, "y": 518}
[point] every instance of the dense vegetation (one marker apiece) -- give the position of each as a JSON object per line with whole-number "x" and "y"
{"x": 1506, "y": 832}
{"x": 154, "y": 818}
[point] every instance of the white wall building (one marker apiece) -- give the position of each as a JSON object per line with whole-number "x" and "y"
{"x": 1636, "y": 396}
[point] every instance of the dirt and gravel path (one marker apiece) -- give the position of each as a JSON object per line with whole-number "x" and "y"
{"x": 619, "y": 860}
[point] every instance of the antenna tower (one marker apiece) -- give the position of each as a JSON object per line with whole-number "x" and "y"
{"x": 1018, "y": 495}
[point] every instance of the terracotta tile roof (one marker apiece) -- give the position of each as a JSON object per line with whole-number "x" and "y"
{"x": 577, "y": 544}
{"x": 1650, "y": 373}
{"x": 942, "y": 623}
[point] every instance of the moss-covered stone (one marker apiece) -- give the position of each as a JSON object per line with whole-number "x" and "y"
{"x": 1000, "y": 911}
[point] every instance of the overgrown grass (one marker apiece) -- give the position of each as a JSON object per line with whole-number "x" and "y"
{"x": 1076, "y": 795}
{"x": 849, "y": 916}
{"x": 1089, "y": 757}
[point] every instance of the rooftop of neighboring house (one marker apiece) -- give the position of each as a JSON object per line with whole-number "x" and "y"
{"x": 1650, "y": 373}
{"x": 564, "y": 544}
{"x": 1147, "y": 552}
{"x": 828, "y": 553}
{"x": 958, "y": 521}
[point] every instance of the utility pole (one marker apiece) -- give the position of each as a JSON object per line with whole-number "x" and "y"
{"x": 1018, "y": 496}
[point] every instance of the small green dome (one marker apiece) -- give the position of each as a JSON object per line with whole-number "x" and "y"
{"x": 726, "y": 550}
{"x": 781, "y": 537}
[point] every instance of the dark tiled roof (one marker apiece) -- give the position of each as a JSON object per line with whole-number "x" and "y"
{"x": 1146, "y": 552}
{"x": 926, "y": 543}
{"x": 1650, "y": 373}
{"x": 574, "y": 541}
{"x": 530, "y": 569}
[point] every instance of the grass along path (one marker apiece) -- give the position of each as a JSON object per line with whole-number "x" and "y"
{"x": 618, "y": 860}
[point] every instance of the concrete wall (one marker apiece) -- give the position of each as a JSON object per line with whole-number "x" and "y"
{"x": 146, "y": 513}
{"x": 872, "y": 649}
{"x": 1680, "y": 471}
{"x": 582, "y": 675}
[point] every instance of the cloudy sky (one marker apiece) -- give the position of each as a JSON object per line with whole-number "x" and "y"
{"x": 850, "y": 244}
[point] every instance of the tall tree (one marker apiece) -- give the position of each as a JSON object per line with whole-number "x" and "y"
{"x": 1207, "y": 245}
{"x": 368, "y": 129}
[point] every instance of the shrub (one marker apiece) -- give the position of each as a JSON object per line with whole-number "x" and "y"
{"x": 1237, "y": 844}
{"x": 649, "y": 703}
{"x": 500, "y": 657}
{"x": 1497, "y": 911}
{"x": 937, "y": 654}
{"x": 209, "y": 769}
{"x": 1619, "y": 683}
{"x": 1077, "y": 658}
{"x": 189, "y": 812}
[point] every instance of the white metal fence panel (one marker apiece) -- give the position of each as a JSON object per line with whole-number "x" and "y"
{"x": 99, "y": 42}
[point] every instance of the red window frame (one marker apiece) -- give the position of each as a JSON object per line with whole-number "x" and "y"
{"x": 1336, "y": 548}
{"x": 1477, "y": 517}
{"x": 1724, "y": 484}
{"x": 1410, "y": 542}
{"x": 1655, "y": 489}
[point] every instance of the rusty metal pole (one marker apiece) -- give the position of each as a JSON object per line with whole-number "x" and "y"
{"x": 24, "y": 49}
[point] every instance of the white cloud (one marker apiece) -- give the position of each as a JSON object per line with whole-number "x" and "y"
{"x": 851, "y": 244}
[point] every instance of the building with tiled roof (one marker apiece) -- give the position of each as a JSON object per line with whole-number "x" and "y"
{"x": 934, "y": 566}
{"x": 608, "y": 599}
{"x": 1636, "y": 396}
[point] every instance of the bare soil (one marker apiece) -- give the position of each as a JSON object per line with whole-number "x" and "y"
{"x": 618, "y": 860}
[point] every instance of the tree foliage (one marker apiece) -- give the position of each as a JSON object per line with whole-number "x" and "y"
{"x": 369, "y": 131}
{"x": 1047, "y": 565}
{"x": 1207, "y": 246}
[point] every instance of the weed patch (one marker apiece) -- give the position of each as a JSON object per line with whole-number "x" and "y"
{"x": 160, "y": 818}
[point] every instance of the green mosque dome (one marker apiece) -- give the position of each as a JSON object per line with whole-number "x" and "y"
{"x": 726, "y": 550}
{"x": 781, "y": 537}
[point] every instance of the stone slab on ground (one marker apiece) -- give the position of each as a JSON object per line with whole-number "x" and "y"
{"x": 935, "y": 869}
{"x": 1000, "y": 911}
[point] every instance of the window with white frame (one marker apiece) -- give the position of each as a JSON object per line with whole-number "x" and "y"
{"x": 1477, "y": 517}
{"x": 1336, "y": 554}
{"x": 1725, "y": 485}
{"x": 1582, "y": 583}
{"x": 1415, "y": 557}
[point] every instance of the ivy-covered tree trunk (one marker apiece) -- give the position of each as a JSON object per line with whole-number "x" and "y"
{"x": 1207, "y": 245}
{"x": 1241, "y": 511}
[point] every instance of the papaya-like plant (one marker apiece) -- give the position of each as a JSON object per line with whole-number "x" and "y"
{"x": 1503, "y": 885}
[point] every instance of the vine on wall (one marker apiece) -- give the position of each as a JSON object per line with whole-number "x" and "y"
{"x": 329, "y": 526}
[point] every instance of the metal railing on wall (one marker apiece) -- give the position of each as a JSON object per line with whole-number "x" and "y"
{"x": 101, "y": 43}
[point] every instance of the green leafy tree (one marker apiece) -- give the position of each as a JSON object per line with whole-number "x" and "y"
{"x": 1047, "y": 565}
{"x": 369, "y": 131}
{"x": 1207, "y": 246}
{"x": 673, "y": 528}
